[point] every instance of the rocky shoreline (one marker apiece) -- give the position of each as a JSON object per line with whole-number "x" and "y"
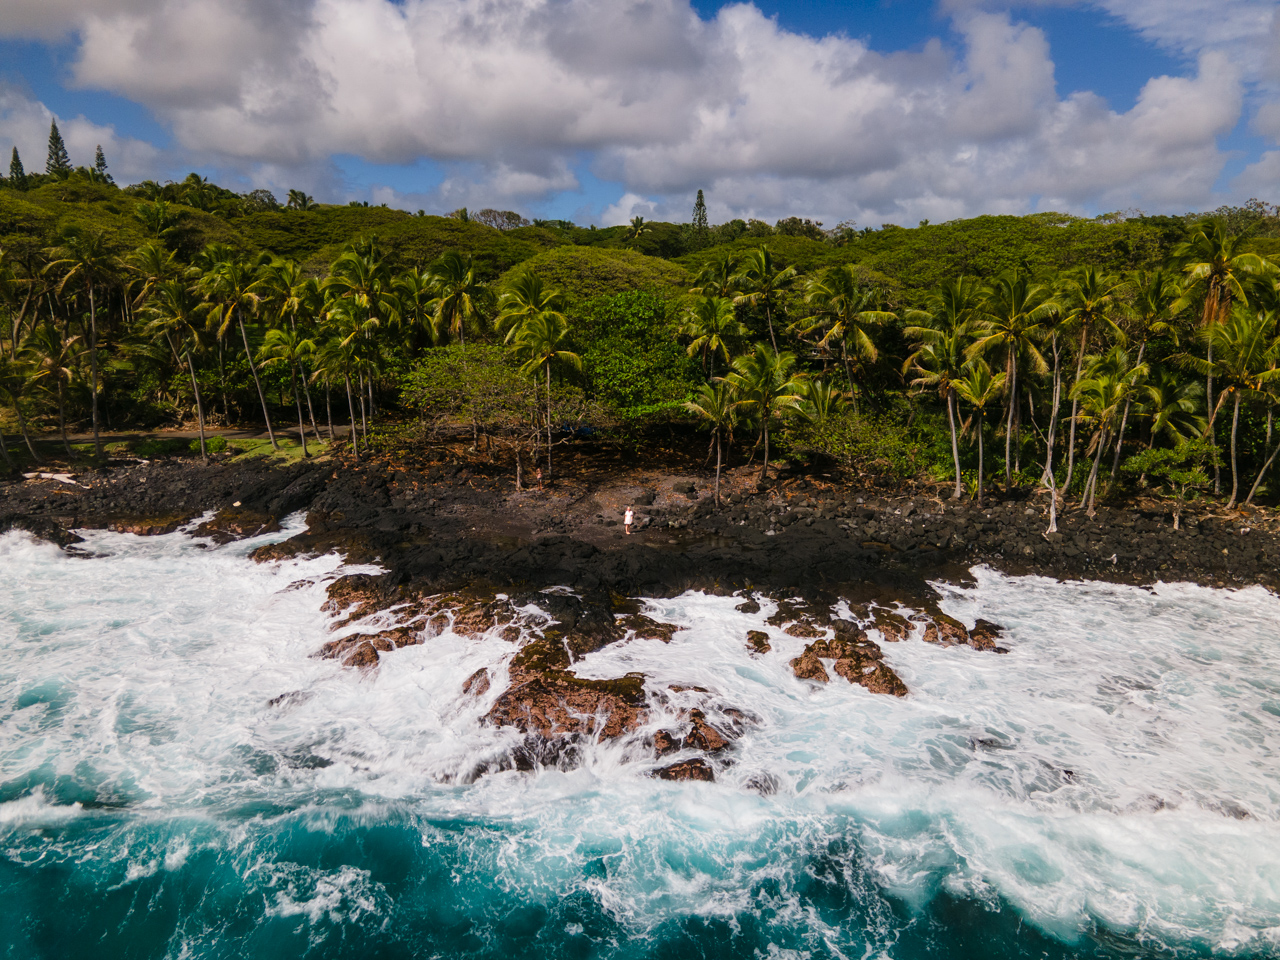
{"x": 552, "y": 573}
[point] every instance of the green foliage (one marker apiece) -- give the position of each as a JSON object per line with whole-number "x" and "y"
{"x": 584, "y": 273}
{"x": 214, "y": 444}
{"x": 163, "y": 447}
{"x": 632, "y": 361}
{"x": 879, "y": 445}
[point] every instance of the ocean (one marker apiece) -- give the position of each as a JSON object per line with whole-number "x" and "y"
{"x": 180, "y": 777}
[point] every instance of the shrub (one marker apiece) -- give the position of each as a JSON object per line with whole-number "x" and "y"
{"x": 211, "y": 444}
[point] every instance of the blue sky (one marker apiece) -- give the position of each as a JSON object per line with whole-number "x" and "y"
{"x": 641, "y": 129}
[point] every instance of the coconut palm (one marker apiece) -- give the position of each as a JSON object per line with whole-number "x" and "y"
{"x": 537, "y": 344}
{"x": 231, "y": 290}
{"x": 525, "y": 298}
{"x": 174, "y": 312}
{"x": 637, "y": 229}
{"x": 978, "y": 388}
{"x": 942, "y": 332}
{"x": 292, "y": 348}
{"x": 716, "y": 405}
{"x": 414, "y": 288}
{"x": 1217, "y": 269}
{"x": 1108, "y": 383}
{"x": 713, "y": 324}
{"x": 767, "y": 385}
{"x": 847, "y": 309}
{"x": 1246, "y": 350}
{"x": 717, "y": 277}
{"x": 820, "y": 402}
{"x": 85, "y": 258}
{"x": 53, "y": 357}
{"x": 1090, "y": 298}
{"x": 17, "y": 383}
{"x": 460, "y": 296}
{"x": 299, "y": 200}
{"x": 760, "y": 283}
{"x": 1150, "y": 314}
{"x": 1013, "y": 318}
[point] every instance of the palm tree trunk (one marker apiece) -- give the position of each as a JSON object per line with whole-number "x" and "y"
{"x": 62, "y": 416}
{"x": 328, "y": 409}
{"x": 311, "y": 411}
{"x": 1235, "y": 426}
{"x": 355, "y": 437}
{"x": 195, "y": 387}
{"x": 1008, "y": 427}
{"x": 22, "y": 425}
{"x": 768, "y": 318}
{"x": 1265, "y": 467}
{"x": 1091, "y": 487}
{"x": 980, "y": 426}
{"x": 364, "y": 420}
{"x": 1213, "y": 436}
{"x": 764, "y": 470}
{"x": 93, "y": 366}
{"x": 717, "y": 469}
{"x": 955, "y": 445}
{"x": 4, "y": 451}
{"x": 1124, "y": 419}
{"x": 256, "y": 381}
{"x": 297, "y": 399}
{"x": 1075, "y": 409}
{"x": 548, "y": 365}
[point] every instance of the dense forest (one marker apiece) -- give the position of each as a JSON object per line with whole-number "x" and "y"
{"x": 1092, "y": 357}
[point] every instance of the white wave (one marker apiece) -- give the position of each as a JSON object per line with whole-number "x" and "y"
{"x": 1117, "y": 767}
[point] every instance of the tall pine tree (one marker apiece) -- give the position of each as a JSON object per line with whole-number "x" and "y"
{"x": 17, "y": 176}
{"x": 100, "y": 166}
{"x": 700, "y": 228}
{"x": 58, "y": 163}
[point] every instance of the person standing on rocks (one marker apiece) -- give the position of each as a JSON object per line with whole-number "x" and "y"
{"x": 628, "y": 519}
{"x": 539, "y": 478}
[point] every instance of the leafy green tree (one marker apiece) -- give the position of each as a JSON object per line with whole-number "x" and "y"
{"x": 538, "y": 343}
{"x": 1089, "y": 300}
{"x": 820, "y": 403}
{"x": 17, "y": 384}
{"x": 100, "y": 167}
{"x": 87, "y": 259}
{"x": 53, "y": 357}
{"x": 291, "y": 348}
{"x": 1182, "y": 467}
{"x": 942, "y": 331}
{"x": 156, "y": 217}
{"x": 717, "y": 277}
{"x": 698, "y": 226}
{"x": 978, "y": 388}
{"x": 637, "y": 229}
{"x": 1155, "y": 292}
{"x": 716, "y": 406}
{"x": 767, "y": 385}
{"x": 761, "y": 284}
{"x": 58, "y": 163}
{"x": 299, "y": 200}
{"x": 1108, "y": 383}
{"x": 527, "y": 296}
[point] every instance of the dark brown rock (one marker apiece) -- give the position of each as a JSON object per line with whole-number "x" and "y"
{"x": 856, "y": 658}
{"x": 149, "y": 526}
{"x": 758, "y": 642}
{"x": 558, "y": 704}
{"x": 805, "y": 630}
{"x": 664, "y": 743}
{"x": 237, "y": 524}
{"x": 364, "y": 657}
{"x": 703, "y": 736}
{"x": 477, "y": 684}
{"x": 877, "y": 677}
{"x": 695, "y": 769}
{"x": 647, "y": 629}
{"x": 985, "y": 636}
{"x": 807, "y": 666}
{"x": 945, "y": 630}
{"x": 893, "y": 627}
{"x": 750, "y": 605}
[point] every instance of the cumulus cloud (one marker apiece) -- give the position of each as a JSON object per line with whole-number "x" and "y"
{"x": 24, "y": 123}
{"x": 513, "y": 95}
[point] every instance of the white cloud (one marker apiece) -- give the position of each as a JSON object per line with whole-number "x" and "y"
{"x": 513, "y": 94}
{"x": 24, "y": 123}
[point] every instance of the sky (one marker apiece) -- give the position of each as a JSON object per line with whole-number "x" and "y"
{"x": 870, "y": 111}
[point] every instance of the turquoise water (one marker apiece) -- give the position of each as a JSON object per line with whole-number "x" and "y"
{"x": 1108, "y": 789}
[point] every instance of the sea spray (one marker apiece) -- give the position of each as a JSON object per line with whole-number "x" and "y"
{"x": 181, "y": 776}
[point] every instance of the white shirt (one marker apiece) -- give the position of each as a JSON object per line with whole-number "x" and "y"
{"x": 628, "y": 517}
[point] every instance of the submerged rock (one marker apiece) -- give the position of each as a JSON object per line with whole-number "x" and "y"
{"x": 856, "y": 658}
{"x": 237, "y": 524}
{"x": 695, "y": 769}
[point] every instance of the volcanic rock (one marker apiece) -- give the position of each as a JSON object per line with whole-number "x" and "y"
{"x": 237, "y": 524}
{"x": 695, "y": 769}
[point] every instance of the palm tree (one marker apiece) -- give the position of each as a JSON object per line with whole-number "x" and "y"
{"x": 1103, "y": 392}
{"x": 637, "y": 229}
{"x": 847, "y": 309}
{"x": 537, "y": 343}
{"x": 978, "y": 388}
{"x": 16, "y": 383}
{"x": 1014, "y": 315}
{"x": 820, "y": 402}
{"x": 713, "y": 324}
{"x": 760, "y": 283}
{"x": 1217, "y": 268}
{"x": 53, "y": 357}
{"x": 525, "y": 298}
{"x": 174, "y": 310}
{"x": 941, "y": 332}
{"x": 299, "y": 200}
{"x": 417, "y": 297}
{"x": 460, "y": 296}
{"x": 1247, "y": 351}
{"x": 766, "y": 384}
{"x": 231, "y": 287}
{"x": 290, "y": 347}
{"x": 1088, "y": 299}
{"x": 717, "y": 277}
{"x": 1154, "y": 294}
{"x": 155, "y": 217}
{"x": 86, "y": 259}
{"x": 717, "y": 406}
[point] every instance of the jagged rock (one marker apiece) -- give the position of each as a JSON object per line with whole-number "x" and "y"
{"x": 477, "y": 684}
{"x": 893, "y": 627}
{"x": 805, "y": 630}
{"x": 703, "y": 736}
{"x": 856, "y": 658}
{"x": 750, "y": 605}
{"x": 664, "y": 743}
{"x": 695, "y": 769}
{"x": 807, "y": 666}
{"x": 237, "y": 524}
{"x": 876, "y": 678}
{"x": 558, "y": 704}
{"x": 984, "y": 635}
{"x": 364, "y": 657}
{"x": 758, "y": 642}
{"x": 149, "y": 526}
{"x": 945, "y": 630}
{"x": 647, "y": 629}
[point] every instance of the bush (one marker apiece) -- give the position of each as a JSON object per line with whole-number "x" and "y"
{"x": 160, "y": 448}
{"x": 211, "y": 444}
